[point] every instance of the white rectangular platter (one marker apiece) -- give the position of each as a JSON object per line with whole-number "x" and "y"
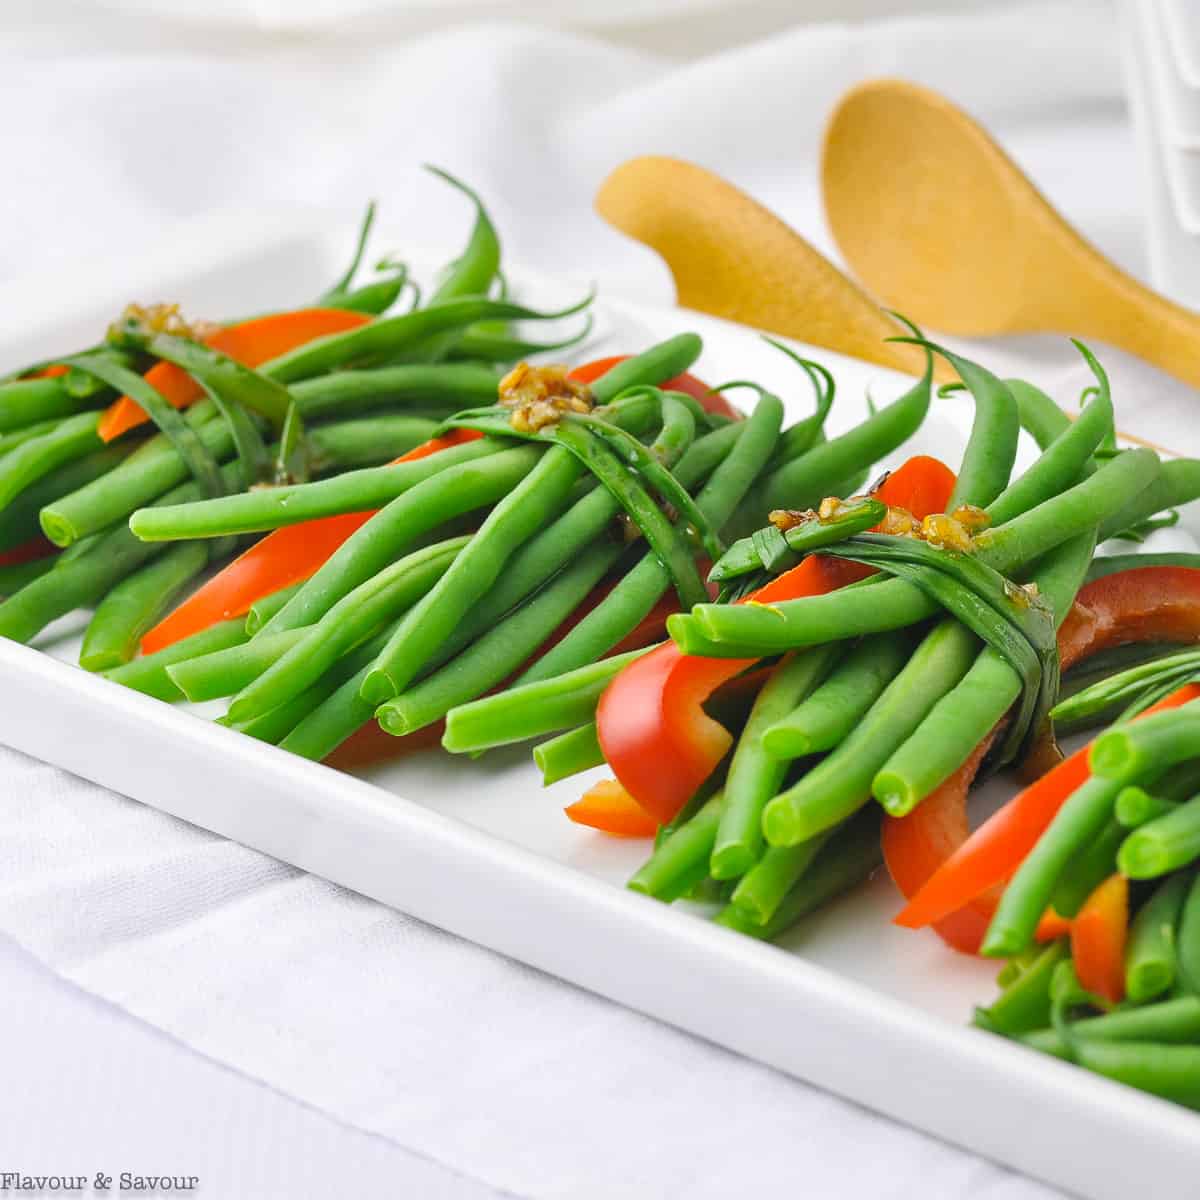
{"x": 849, "y": 1002}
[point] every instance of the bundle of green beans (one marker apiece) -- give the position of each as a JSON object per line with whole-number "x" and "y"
{"x": 345, "y": 401}
{"x": 410, "y": 619}
{"x": 886, "y": 687}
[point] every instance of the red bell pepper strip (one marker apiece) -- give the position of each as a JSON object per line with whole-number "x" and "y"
{"x": 710, "y": 401}
{"x": 1098, "y": 936}
{"x": 38, "y": 547}
{"x": 609, "y": 807}
{"x": 252, "y": 343}
{"x": 283, "y": 557}
{"x": 652, "y": 727}
{"x": 1142, "y": 604}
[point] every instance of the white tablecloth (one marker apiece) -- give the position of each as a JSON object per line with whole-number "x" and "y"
{"x": 480, "y": 1073}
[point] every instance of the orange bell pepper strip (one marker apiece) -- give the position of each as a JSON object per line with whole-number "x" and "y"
{"x": 285, "y": 556}
{"x": 251, "y": 343}
{"x": 1098, "y": 936}
{"x": 610, "y": 808}
{"x": 1141, "y": 604}
{"x": 651, "y": 723}
{"x": 710, "y": 401}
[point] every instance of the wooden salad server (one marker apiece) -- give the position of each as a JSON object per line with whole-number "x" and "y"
{"x": 940, "y": 224}
{"x": 733, "y": 258}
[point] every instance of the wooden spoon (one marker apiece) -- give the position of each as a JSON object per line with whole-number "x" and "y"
{"x": 939, "y": 223}
{"x": 733, "y": 258}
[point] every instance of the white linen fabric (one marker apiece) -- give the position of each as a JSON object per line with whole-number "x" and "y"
{"x": 502, "y": 1074}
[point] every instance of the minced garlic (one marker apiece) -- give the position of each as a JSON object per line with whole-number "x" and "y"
{"x": 539, "y": 396}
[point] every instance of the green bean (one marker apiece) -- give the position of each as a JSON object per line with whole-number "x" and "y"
{"x": 148, "y": 674}
{"x": 1135, "y": 806}
{"x": 667, "y": 540}
{"x": 800, "y": 438}
{"x": 1025, "y": 1004}
{"x": 803, "y": 482}
{"x": 1062, "y": 461}
{"x": 745, "y": 630}
{"x": 317, "y": 721}
{"x": 962, "y": 718}
{"x": 432, "y": 619}
{"x": 1177, "y": 484}
{"x": 145, "y": 475}
{"x": 1125, "y": 753}
{"x": 387, "y": 535}
{"x": 661, "y": 362}
{"x": 389, "y": 337}
{"x": 680, "y": 861}
{"x": 261, "y": 611}
{"x": 231, "y": 380}
{"x": 10, "y": 441}
{"x": 477, "y": 344}
{"x": 840, "y": 784}
{"x": 1162, "y": 845}
{"x": 81, "y": 581}
{"x": 1168, "y": 1071}
{"x": 772, "y": 550}
{"x": 353, "y": 619}
{"x": 332, "y": 293}
{"x": 991, "y": 449}
{"x": 376, "y": 297}
{"x": 222, "y": 672}
{"x": 766, "y": 884}
{"x": 1038, "y": 414}
{"x": 133, "y": 606}
{"x": 30, "y": 401}
{"x": 848, "y": 858}
{"x": 754, "y": 775}
{"x": 1088, "y": 870}
{"x": 479, "y": 263}
{"x": 568, "y": 754}
{"x": 636, "y": 594}
{"x": 488, "y": 661}
{"x": 451, "y": 387}
{"x": 1108, "y": 696}
{"x": 71, "y": 439}
{"x": 15, "y": 576}
{"x": 530, "y": 710}
{"x": 1150, "y": 954}
{"x": 189, "y": 448}
{"x": 366, "y": 442}
{"x": 273, "y": 508}
{"x": 1188, "y": 947}
{"x": 1110, "y": 564}
{"x": 1170, "y": 1021}
{"x": 19, "y": 521}
{"x": 1080, "y": 820}
{"x": 826, "y": 718}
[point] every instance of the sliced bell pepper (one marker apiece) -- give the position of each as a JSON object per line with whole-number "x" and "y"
{"x": 651, "y": 723}
{"x": 1098, "y": 936}
{"x": 38, "y": 547}
{"x": 371, "y": 744}
{"x": 609, "y": 807}
{"x": 941, "y": 867}
{"x": 710, "y": 401}
{"x": 251, "y": 343}
{"x": 283, "y": 557}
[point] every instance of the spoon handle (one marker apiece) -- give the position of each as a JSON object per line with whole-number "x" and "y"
{"x": 732, "y": 258}
{"x": 1097, "y": 299}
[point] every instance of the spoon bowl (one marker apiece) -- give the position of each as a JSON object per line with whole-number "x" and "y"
{"x": 939, "y": 223}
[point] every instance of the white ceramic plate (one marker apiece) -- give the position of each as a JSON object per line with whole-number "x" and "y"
{"x": 849, "y": 1002}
